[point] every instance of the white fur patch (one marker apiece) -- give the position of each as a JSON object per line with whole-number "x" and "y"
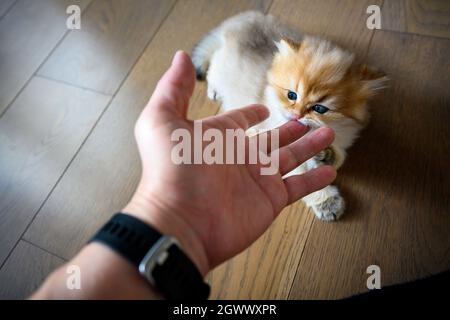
{"x": 283, "y": 47}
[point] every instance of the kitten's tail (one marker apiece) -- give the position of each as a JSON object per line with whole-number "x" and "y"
{"x": 203, "y": 52}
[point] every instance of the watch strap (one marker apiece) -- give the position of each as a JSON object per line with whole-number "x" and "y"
{"x": 129, "y": 236}
{"x": 189, "y": 282}
{"x": 176, "y": 277}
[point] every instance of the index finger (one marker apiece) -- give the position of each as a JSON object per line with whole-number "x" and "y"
{"x": 248, "y": 116}
{"x": 287, "y": 133}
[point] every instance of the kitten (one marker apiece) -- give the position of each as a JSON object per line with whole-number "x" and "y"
{"x": 252, "y": 58}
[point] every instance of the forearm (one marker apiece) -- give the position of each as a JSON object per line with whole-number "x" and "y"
{"x": 104, "y": 274}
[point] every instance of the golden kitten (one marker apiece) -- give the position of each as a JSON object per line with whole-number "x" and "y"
{"x": 253, "y": 58}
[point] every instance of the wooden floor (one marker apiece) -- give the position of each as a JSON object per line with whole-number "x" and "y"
{"x": 69, "y": 100}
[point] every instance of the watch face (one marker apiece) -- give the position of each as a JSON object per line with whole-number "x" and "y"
{"x": 157, "y": 255}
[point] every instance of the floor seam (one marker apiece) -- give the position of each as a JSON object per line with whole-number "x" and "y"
{"x": 95, "y": 124}
{"x": 72, "y": 85}
{"x": 416, "y": 34}
{"x": 88, "y": 134}
{"x": 43, "y": 249}
{"x": 8, "y": 10}
{"x": 40, "y": 66}
{"x": 3, "y": 113}
{"x": 269, "y": 7}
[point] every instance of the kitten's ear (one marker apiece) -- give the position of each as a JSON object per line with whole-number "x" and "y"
{"x": 286, "y": 45}
{"x": 374, "y": 79}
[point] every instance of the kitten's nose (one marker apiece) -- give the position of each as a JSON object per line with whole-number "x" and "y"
{"x": 294, "y": 117}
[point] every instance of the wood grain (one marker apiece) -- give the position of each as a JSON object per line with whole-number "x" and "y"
{"x": 396, "y": 180}
{"x": 39, "y": 135}
{"x": 393, "y": 15}
{"x": 105, "y": 173}
{"x": 267, "y": 270}
{"x": 24, "y": 271}
{"x": 114, "y": 34}
{"x": 426, "y": 17}
{"x": 342, "y": 21}
{"x": 28, "y": 33}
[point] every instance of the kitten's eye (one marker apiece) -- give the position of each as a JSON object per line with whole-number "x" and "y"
{"x": 320, "y": 108}
{"x": 292, "y": 95}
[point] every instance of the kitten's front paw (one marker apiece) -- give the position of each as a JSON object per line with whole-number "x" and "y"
{"x": 326, "y": 156}
{"x": 331, "y": 209}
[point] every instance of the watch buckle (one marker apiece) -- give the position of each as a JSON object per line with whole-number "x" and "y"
{"x": 157, "y": 255}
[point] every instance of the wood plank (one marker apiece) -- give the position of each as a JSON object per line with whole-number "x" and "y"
{"x": 28, "y": 33}
{"x": 426, "y": 17}
{"x": 105, "y": 173}
{"x": 342, "y": 21}
{"x": 396, "y": 180}
{"x": 393, "y": 15}
{"x": 25, "y": 270}
{"x": 5, "y": 5}
{"x": 267, "y": 269}
{"x": 114, "y": 33}
{"x": 39, "y": 135}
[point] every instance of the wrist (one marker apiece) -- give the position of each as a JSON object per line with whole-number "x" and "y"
{"x": 170, "y": 223}
{"x": 103, "y": 275}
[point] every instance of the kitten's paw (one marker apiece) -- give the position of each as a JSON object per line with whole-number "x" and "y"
{"x": 331, "y": 209}
{"x": 326, "y": 156}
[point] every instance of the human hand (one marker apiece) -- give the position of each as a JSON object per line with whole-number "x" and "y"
{"x": 215, "y": 211}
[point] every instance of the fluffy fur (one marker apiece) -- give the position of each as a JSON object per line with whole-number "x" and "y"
{"x": 253, "y": 58}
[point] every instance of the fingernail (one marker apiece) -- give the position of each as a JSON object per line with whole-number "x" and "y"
{"x": 177, "y": 56}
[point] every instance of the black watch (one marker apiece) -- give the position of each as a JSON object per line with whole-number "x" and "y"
{"x": 158, "y": 257}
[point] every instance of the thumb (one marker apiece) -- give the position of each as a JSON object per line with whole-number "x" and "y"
{"x": 174, "y": 89}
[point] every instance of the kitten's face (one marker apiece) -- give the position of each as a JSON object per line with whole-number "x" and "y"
{"x": 317, "y": 83}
